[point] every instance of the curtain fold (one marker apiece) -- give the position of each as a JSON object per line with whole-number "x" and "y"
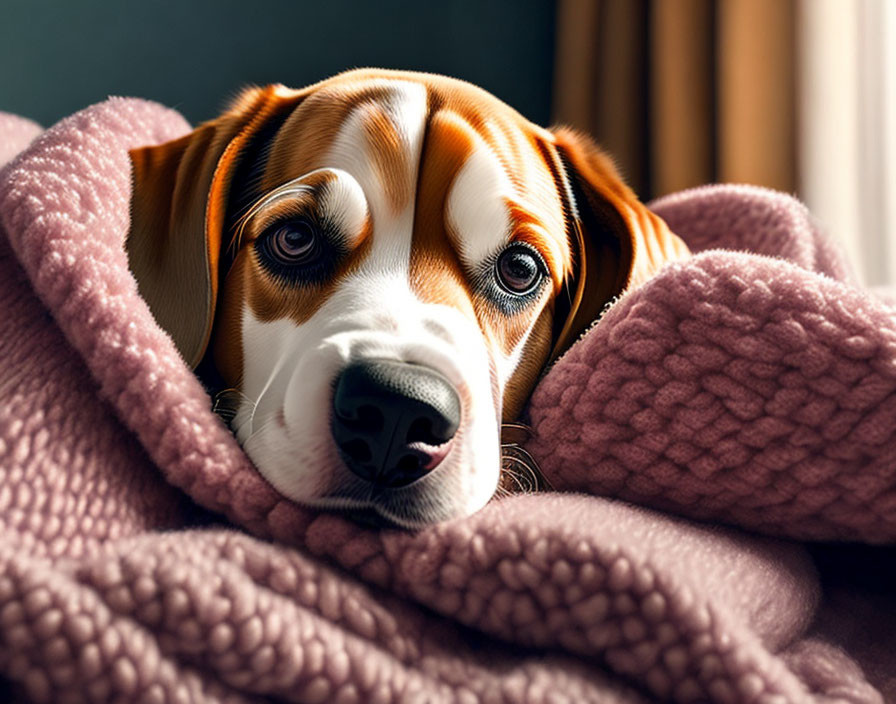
{"x": 682, "y": 92}
{"x": 600, "y": 78}
{"x": 755, "y": 42}
{"x": 682, "y": 84}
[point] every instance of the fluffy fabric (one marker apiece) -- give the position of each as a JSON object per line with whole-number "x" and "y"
{"x": 109, "y": 590}
{"x": 15, "y": 134}
{"x": 758, "y": 391}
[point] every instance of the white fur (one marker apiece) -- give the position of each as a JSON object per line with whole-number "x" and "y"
{"x": 477, "y": 212}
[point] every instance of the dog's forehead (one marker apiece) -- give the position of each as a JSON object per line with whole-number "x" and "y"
{"x": 408, "y": 136}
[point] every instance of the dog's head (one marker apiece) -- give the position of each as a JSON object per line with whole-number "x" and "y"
{"x": 378, "y": 267}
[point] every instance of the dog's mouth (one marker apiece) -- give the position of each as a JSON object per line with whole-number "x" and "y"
{"x": 520, "y": 473}
{"x": 418, "y": 459}
{"x": 432, "y": 455}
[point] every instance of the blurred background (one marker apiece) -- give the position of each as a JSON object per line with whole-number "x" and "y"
{"x": 797, "y": 95}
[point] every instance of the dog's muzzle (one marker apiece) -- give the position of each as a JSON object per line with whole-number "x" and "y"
{"x": 393, "y": 421}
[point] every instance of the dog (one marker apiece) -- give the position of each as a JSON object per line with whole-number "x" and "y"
{"x": 378, "y": 268}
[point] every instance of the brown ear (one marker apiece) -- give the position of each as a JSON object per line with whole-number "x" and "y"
{"x": 178, "y": 213}
{"x": 619, "y": 243}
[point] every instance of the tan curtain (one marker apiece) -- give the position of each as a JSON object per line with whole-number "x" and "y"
{"x": 681, "y": 92}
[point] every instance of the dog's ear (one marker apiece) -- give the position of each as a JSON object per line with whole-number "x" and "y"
{"x": 618, "y": 243}
{"x": 179, "y": 212}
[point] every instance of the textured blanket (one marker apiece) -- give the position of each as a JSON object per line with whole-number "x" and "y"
{"x": 142, "y": 559}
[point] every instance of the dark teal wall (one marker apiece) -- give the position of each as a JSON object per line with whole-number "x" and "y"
{"x": 57, "y": 57}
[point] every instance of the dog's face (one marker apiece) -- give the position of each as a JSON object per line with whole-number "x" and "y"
{"x": 379, "y": 267}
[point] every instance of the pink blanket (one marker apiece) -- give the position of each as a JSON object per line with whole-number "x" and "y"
{"x": 746, "y": 389}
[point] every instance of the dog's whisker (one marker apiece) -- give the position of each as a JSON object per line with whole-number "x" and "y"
{"x": 224, "y": 394}
{"x": 520, "y": 472}
{"x": 518, "y": 478}
{"x": 271, "y": 419}
{"x": 514, "y": 434}
{"x": 226, "y": 403}
{"x": 276, "y": 370}
{"x": 249, "y": 211}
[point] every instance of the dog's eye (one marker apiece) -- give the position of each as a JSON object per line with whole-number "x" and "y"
{"x": 293, "y": 242}
{"x": 299, "y": 251}
{"x": 518, "y": 270}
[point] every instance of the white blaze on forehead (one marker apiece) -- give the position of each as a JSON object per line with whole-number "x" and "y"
{"x": 477, "y": 213}
{"x": 406, "y": 105}
{"x": 343, "y": 203}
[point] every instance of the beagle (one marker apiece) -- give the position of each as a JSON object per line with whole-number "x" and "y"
{"x": 377, "y": 268}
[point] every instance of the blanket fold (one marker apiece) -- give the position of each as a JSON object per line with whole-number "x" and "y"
{"x": 735, "y": 387}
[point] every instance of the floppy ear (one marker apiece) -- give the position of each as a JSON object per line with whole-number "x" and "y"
{"x": 178, "y": 217}
{"x": 618, "y": 242}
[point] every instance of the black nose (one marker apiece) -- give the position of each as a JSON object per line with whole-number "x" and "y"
{"x": 393, "y": 420}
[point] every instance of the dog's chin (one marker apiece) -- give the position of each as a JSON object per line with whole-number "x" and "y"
{"x": 314, "y": 475}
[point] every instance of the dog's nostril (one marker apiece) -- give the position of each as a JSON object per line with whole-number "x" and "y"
{"x": 358, "y": 450}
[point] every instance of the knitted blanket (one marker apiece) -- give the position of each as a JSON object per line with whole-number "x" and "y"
{"x": 142, "y": 559}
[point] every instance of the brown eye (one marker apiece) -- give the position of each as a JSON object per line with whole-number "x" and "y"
{"x": 519, "y": 270}
{"x": 301, "y": 251}
{"x": 293, "y": 242}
